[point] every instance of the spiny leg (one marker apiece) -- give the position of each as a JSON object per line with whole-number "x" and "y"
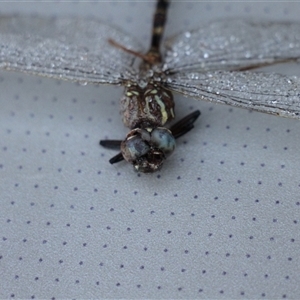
{"x": 178, "y": 129}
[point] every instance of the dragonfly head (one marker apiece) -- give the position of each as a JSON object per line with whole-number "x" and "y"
{"x": 146, "y": 149}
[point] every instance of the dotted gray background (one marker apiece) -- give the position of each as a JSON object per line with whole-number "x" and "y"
{"x": 221, "y": 219}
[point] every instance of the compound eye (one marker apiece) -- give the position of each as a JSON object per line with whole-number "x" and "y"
{"x": 134, "y": 147}
{"x": 163, "y": 139}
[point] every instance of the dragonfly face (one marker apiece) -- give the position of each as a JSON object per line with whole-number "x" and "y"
{"x": 146, "y": 149}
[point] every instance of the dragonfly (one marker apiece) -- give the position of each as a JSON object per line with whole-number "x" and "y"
{"x": 214, "y": 63}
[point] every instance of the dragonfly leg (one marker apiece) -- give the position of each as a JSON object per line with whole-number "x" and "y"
{"x": 114, "y": 145}
{"x": 184, "y": 125}
{"x": 111, "y": 144}
{"x": 117, "y": 158}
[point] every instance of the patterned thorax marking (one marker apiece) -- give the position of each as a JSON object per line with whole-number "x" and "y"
{"x": 150, "y": 106}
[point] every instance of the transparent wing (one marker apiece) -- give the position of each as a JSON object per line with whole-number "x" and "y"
{"x": 268, "y": 93}
{"x": 74, "y": 49}
{"x": 232, "y": 45}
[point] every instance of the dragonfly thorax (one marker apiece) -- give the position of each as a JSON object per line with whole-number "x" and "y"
{"x": 151, "y": 105}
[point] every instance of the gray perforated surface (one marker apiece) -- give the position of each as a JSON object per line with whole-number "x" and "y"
{"x": 220, "y": 220}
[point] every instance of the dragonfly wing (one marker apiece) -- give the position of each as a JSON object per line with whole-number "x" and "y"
{"x": 74, "y": 49}
{"x": 269, "y": 93}
{"x": 233, "y": 45}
